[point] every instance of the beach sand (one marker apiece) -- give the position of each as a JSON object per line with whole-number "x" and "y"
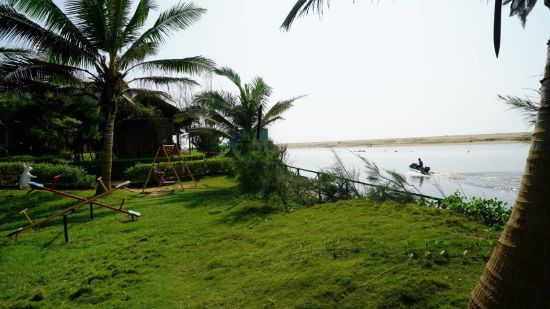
{"x": 496, "y": 138}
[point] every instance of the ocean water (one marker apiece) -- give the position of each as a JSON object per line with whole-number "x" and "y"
{"x": 482, "y": 170}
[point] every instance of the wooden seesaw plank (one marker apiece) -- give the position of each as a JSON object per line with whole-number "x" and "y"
{"x": 66, "y": 210}
{"x": 38, "y": 186}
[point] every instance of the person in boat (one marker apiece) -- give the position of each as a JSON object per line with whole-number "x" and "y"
{"x": 420, "y": 164}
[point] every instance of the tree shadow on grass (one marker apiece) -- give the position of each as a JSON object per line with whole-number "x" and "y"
{"x": 249, "y": 213}
{"x": 213, "y": 198}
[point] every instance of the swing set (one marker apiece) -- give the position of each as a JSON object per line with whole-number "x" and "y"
{"x": 160, "y": 167}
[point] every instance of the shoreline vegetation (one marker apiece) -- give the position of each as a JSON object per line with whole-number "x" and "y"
{"x": 495, "y": 138}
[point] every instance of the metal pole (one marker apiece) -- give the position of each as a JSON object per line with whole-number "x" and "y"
{"x": 65, "y": 228}
{"x": 319, "y": 183}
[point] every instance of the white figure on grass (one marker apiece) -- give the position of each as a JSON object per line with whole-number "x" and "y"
{"x": 25, "y": 177}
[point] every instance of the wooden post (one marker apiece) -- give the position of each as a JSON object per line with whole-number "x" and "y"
{"x": 65, "y": 228}
{"x": 151, "y": 170}
{"x": 91, "y": 211}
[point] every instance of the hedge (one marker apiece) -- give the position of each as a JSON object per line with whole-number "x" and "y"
{"x": 33, "y": 159}
{"x": 206, "y": 167}
{"x": 71, "y": 177}
{"x": 120, "y": 165}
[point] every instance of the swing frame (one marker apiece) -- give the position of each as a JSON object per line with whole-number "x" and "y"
{"x": 169, "y": 152}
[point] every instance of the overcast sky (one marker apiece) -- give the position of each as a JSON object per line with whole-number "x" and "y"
{"x": 376, "y": 69}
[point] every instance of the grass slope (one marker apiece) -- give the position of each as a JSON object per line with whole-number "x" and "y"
{"x": 208, "y": 247}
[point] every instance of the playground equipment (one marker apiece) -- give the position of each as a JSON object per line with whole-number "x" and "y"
{"x": 159, "y": 172}
{"x": 67, "y": 211}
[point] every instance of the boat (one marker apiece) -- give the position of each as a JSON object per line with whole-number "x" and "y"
{"x": 425, "y": 170}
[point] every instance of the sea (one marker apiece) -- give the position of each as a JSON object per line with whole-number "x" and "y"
{"x": 481, "y": 170}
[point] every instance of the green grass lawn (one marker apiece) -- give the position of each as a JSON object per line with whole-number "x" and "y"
{"x": 208, "y": 247}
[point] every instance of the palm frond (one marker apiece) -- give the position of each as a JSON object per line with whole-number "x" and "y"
{"x": 6, "y": 51}
{"x": 118, "y": 13}
{"x": 54, "y": 19}
{"x": 216, "y": 100}
{"x": 226, "y": 124}
{"x": 521, "y": 8}
{"x": 260, "y": 91}
{"x": 275, "y": 112}
{"x": 525, "y": 106}
{"x": 15, "y": 27}
{"x": 138, "y": 55}
{"x": 19, "y": 68}
{"x": 144, "y": 93}
{"x": 229, "y": 74}
{"x": 164, "y": 81}
{"x": 303, "y": 7}
{"x": 137, "y": 21}
{"x": 206, "y": 130}
{"x": 192, "y": 65}
{"x": 37, "y": 88}
{"x": 91, "y": 18}
{"x": 178, "y": 17}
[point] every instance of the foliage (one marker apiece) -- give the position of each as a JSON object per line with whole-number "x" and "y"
{"x": 490, "y": 211}
{"x": 49, "y": 125}
{"x": 120, "y": 165}
{"x": 205, "y": 167}
{"x": 90, "y": 49}
{"x": 521, "y": 8}
{"x": 71, "y": 176}
{"x": 34, "y": 159}
{"x": 526, "y": 106}
{"x": 207, "y": 142}
{"x": 262, "y": 170}
{"x": 342, "y": 255}
{"x": 236, "y": 117}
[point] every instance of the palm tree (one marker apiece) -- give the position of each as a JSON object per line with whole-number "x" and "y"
{"x": 517, "y": 274}
{"x": 94, "y": 47}
{"x": 238, "y": 117}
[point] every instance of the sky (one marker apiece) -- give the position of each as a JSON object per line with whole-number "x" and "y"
{"x": 375, "y": 69}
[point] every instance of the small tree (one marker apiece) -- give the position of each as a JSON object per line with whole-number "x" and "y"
{"x": 239, "y": 117}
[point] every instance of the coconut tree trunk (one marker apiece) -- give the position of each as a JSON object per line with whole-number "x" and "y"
{"x": 518, "y": 273}
{"x": 108, "y": 138}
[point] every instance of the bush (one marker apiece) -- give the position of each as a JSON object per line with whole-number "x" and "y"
{"x": 490, "y": 211}
{"x": 261, "y": 170}
{"x": 206, "y": 167}
{"x": 120, "y": 165}
{"x": 33, "y": 159}
{"x": 71, "y": 177}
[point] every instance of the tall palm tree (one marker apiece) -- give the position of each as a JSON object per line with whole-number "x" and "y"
{"x": 97, "y": 47}
{"x": 239, "y": 117}
{"x": 517, "y": 274}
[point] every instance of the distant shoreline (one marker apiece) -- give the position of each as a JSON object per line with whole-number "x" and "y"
{"x": 496, "y": 138}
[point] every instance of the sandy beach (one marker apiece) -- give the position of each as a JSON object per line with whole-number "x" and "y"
{"x": 496, "y": 138}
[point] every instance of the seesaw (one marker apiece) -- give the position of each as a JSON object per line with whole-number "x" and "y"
{"x": 65, "y": 212}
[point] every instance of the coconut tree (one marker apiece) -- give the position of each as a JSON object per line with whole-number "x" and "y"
{"x": 238, "y": 117}
{"x": 517, "y": 274}
{"x": 96, "y": 47}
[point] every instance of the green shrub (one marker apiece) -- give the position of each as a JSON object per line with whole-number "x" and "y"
{"x": 490, "y": 211}
{"x": 33, "y": 159}
{"x": 120, "y": 165}
{"x": 261, "y": 170}
{"x": 206, "y": 167}
{"x": 71, "y": 177}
